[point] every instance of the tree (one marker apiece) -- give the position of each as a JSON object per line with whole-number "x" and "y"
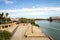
{"x": 50, "y": 19}
{"x": 23, "y": 20}
{"x": 4, "y": 19}
{"x": 2, "y": 14}
{"x": 6, "y": 15}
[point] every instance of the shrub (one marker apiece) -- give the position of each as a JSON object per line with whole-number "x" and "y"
{"x": 5, "y": 35}
{"x": 24, "y": 20}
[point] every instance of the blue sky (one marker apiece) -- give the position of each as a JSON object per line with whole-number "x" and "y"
{"x": 30, "y": 8}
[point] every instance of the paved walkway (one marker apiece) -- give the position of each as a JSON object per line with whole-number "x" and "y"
{"x": 36, "y": 35}
{"x": 19, "y": 34}
{"x": 26, "y": 30}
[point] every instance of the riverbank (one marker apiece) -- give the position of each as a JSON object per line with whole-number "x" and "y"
{"x": 26, "y": 31}
{"x": 35, "y": 33}
{"x": 50, "y": 28}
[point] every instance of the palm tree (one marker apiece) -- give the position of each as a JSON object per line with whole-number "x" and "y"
{"x": 6, "y": 15}
{"x": 2, "y": 14}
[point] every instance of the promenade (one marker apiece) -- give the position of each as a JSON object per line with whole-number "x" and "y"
{"x": 35, "y": 33}
{"x": 25, "y": 30}
{"x": 19, "y": 34}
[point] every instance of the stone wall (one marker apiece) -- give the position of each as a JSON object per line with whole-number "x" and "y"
{"x": 4, "y": 26}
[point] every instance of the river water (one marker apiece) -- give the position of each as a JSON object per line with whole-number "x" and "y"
{"x": 50, "y": 28}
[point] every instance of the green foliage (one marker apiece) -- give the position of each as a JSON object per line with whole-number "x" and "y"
{"x": 4, "y": 19}
{"x": 50, "y": 19}
{"x": 1, "y": 15}
{"x": 6, "y": 14}
{"x": 7, "y": 20}
{"x": 37, "y": 25}
{"x": 24, "y": 20}
{"x": 5, "y": 35}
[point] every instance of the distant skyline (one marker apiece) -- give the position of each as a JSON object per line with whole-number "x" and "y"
{"x": 30, "y": 8}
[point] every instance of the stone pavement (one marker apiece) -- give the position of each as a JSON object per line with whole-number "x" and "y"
{"x": 25, "y": 30}
{"x": 19, "y": 34}
{"x": 36, "y": 35}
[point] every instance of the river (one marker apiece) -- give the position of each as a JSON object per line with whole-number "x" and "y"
{"x": 50, "y": 28}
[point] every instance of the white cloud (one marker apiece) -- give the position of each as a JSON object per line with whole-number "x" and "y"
{"x": 33, "y": 9}
{"x": 46, "y": 11}
{"x": 8, "y": 2}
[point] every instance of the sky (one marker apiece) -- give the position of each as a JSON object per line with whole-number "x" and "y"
{"x": 30, "y": 8}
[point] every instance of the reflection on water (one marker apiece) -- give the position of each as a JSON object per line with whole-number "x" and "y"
{"x": 50, "y": 28}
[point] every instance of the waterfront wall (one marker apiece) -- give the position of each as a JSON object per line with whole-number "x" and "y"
{"x": 4, "y": 26}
